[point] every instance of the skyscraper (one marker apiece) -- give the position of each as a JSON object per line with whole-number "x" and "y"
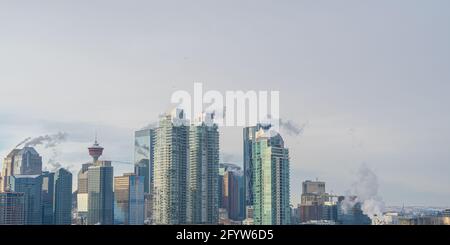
{"x": 100, "y": 189}
{"x": 26, "y": 161}
{"x": 48, "y": 185}
{"x": 100, "y": 194}
{"x": 313, "y": 199}
{"x": 169, "y": 177}
{"x": 82, "y": 193}
{"x": 62, "y": 197}
{"x": 12, "y": 208}
{"x": 249, "y": 138}
{"x": 203, "y": 167}
{"x": 129, "y": 199}
{"x": 271, "y": 191}
{"x": 31, "y": 186}
{"x": 232, "y": 194}
{"x": 144, "y": 145}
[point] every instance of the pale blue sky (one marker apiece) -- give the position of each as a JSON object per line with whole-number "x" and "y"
{"x": 370, "y": 77}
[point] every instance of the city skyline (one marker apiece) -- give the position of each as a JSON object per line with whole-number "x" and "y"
{"x": 362, "y": 89}
{"x": 186, "y": 164}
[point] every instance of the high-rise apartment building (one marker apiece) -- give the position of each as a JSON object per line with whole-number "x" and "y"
{"x": 169, "y": 177}
{"x": 249, "y": 137}
{"x": 203, "y": 172}
{"x": 271, "y": 191}
{"x": 62, "y": 208}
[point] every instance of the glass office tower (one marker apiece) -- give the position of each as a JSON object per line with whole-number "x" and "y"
{"x": 144, "y": 144}
{"x": 48, "y": 185}
{"x": 31, "y": 186}
{"x": 12, "y": 208}
{"x": 100, "y": 194}
{"x": 129, "y": 200}
{"x": 63, "y": 197}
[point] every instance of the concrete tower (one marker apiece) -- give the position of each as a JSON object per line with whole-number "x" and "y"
{"x": 95, "y": 151}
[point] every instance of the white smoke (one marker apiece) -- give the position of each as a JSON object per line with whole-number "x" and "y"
{"x": 151, "y": 125}
{"x": 365, "y": 191}
{"x": 48, "y": 141}
{"x": 23, "y": 142}
{"x": 292, "y": 128}
{"x": 53, "y": 164}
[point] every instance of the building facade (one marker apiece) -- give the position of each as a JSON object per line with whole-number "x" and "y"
{"x": 48, "y": 185}
{"x": 271, "y": 190}
{"x": 233, "y": 197}
{"x": 129, "y": 199}
{"x": 100, "y": 194}
{"x": 62, "y": 197}
{"x": 82, "y": 193}
{"x": 203, "y": 172}
{"x": 249, "y": 136}
{"x": 31, "y": 186}
{"x": 144, "y": 148}
{"x": 26, "y": 161}
{"x": 12, "y": 208}
{"x": 170, "y": 158}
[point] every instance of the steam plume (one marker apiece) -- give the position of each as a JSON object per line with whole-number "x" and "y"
{"x": 23, "y": 142}
{"x": 150, "y": 125}
{"x": 365, "y": 191}
{"x": 48, "y": 141}
{"x": 292, "y": 128}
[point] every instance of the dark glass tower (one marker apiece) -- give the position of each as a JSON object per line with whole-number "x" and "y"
{"x": 63, "y": 197}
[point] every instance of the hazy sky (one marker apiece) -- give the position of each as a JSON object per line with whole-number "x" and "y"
{"x": 370, "y": 78}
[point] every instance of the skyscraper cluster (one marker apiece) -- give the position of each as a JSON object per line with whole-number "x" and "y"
{"x": 186, "y": 170}
{"x": 30, "y": 196}
{"x": 177, "y": 179}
